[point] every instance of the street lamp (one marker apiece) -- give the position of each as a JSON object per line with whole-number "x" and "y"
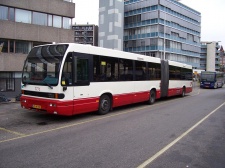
{"x": 164, "y": 39}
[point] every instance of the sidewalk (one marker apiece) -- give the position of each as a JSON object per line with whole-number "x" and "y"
{"x": 13, "y": 100}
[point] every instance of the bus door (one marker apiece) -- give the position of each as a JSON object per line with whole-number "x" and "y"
{"x": 76, "y": 79}
{"x": 81, "y": 78}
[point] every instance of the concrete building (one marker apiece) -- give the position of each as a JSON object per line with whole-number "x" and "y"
{"x": 86, "y": 34}
{"x": 166, "y": 29}
{"x": 111, "y": 24}
{"x": 210, "y": 56}
{"x": 27, "y": 23}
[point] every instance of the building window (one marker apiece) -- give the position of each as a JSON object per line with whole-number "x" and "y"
{"x": 39, "y": 18}
{"x": 4, "y": 47}
{"x": 66, "y": 23}
{"x": 3, "y": 13}
{"x": 22, "y": 47}
{"x": 7, "y": 81}
{"x": 153, "y": 42}
{"x": 57, "y": 21}
{"x": 12, "y": 14}
{"x": 11, "y": 49}
{"x": 23, "y": 16}
{"x": 190, "y": 37}
{"x": 39, "y": 43}
{"x": 49, "y": 20}
{"x": 16, "y": 46}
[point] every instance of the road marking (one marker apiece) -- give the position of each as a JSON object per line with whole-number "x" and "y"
{"x": 91, "y": 120}
{"x": 12, "y": 132}
{"x": 163, "y": 150}
{"x": 70, "y": 125}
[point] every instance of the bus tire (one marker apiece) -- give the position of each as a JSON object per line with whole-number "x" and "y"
{"x": 183, "y": 92}
{"x": 104, "y": 104}
{"x": 152, "y": 97}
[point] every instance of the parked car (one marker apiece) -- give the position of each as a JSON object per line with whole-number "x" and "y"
{"x": 3, "y": 98}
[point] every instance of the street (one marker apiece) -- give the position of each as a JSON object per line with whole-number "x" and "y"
{"x": 174, "y": 132}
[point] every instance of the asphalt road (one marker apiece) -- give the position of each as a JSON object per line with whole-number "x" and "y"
{"x": 173, "y": 133}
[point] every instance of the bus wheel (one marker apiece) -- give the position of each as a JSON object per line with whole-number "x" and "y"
{"x": 183, "y": 92}
{"x": 152, "y": 97}
{"x": 104, "y": 105}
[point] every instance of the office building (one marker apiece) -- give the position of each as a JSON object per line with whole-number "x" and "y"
{"x": 111, "y": 24}
{"x": 86, "y": 34}
{"x": 210, "y": 56}
{"x": 166, "y": 29}
{"x": 27, "y": 23}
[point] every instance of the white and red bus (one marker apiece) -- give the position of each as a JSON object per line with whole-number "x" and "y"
{"x": 69, "y": 79}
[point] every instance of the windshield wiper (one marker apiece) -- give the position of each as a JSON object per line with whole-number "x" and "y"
{"x": 48, "y": 84}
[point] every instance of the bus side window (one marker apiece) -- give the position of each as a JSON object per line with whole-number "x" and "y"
{"x": 105, "y": 69}
{"x": 140, "y": 71}
{"x": 81, "y": 71}
{"x": 125, "y": 70}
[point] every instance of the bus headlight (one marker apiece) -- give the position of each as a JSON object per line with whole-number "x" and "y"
{"x": 52, "y": 105}
{"x": 23, "y": 100}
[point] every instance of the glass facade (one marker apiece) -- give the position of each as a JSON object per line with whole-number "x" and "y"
{"x": 147, "y": 26}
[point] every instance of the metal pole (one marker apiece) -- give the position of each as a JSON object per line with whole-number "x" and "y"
{"x": 164, "y": 40}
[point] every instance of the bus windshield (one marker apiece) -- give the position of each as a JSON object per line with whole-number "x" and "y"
{"x": 208, "y": 77}
{"x": 42, "y": 65}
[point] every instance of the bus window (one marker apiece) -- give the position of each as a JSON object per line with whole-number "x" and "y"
{"x": 82, "y": 70}
{"x": 186, "y": 74}
{"x": 105, "y": 69}
{"x": 125, "y": 70}
{"x": 154, "y": 71}
{"x": 140, "y": 70}
{"x": 67, "y": 71}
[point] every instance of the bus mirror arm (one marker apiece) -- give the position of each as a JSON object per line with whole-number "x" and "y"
{"x": 64, "y": 88}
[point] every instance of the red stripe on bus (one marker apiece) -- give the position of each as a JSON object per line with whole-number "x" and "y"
{"x": 78, "y": 106}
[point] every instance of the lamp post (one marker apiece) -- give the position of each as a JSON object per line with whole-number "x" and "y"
{"x": 164, "y": 38}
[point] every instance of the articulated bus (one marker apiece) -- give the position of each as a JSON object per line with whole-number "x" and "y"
{"x": 69, "y": 79}
{"x": 211, "y": 79}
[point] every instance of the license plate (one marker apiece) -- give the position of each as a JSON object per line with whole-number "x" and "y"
{"x": 37, "y": 106}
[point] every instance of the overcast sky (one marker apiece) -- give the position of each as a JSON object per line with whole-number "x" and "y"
{"x": 212, "y": 13}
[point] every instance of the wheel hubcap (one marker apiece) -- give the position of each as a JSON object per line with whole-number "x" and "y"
{"x": 104, "y": 104}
